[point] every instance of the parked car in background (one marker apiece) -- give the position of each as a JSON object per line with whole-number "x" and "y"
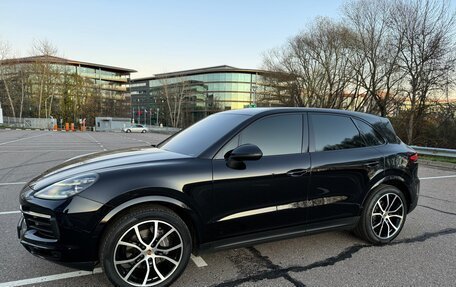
{"x": 136, "y": 129}
{"x": 235, "y": 178}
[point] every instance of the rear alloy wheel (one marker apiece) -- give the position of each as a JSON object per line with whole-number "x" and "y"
{"x": 387, "y": 215}
{"x": 152, "y": 248}
{"x": 143, "y": 131}
{"x": 128, "y": 131}
{"x": 383, "y": 216}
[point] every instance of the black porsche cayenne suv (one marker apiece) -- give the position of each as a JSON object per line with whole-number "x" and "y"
{"x": 233, "y": 179}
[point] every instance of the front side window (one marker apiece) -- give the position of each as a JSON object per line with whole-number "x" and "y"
{"x": 332, "y": 132}
{"x": 274, "y": 135}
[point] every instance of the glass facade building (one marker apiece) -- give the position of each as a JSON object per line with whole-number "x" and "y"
{"x": 68, "y": 89}
{"x": 197, "y": 92}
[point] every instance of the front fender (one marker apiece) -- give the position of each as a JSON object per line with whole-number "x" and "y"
{"x": 141, "y": 200}
{"x": 182, "y": 208}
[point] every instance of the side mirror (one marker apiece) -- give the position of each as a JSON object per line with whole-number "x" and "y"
{"x": 235, "y": 158}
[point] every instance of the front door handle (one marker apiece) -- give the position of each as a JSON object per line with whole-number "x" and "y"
{"x": 297, "y": 172}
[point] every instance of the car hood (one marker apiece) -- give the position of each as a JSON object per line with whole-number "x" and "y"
{"x": 97, "y": 161}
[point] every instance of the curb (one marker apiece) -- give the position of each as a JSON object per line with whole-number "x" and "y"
{"x": 434, "y": 163}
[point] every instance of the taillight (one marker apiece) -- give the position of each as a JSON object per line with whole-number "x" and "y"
{"x": 413, "y": 157}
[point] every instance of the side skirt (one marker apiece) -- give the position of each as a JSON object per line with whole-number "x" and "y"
{"x": 279, "y": 234}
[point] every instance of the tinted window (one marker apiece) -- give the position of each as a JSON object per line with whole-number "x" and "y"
{"x": 232, "y": 144}
{"x": 390, "y": 133}
{"x": 200, "y": 136}
{"x": 275, "y": 135}
{"x": 335, "y": 132}
{"x": 370, "y": 135}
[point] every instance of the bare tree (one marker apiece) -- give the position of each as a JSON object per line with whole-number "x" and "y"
{"x": 318, "y": 65}
{"x": 5, "y": 74}
{"x": 283, "y": 78}
{"x": 23, "y": 74}
{"x": 428, "y": 31}
{"x": 174, "y": 92}
{"x": 44, "y": 71}
{"x": 376, "y": 52}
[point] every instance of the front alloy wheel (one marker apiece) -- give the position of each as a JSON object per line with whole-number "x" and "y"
{"x": 151, "y": 247}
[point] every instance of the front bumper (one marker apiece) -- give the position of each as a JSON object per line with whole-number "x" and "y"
{"x": 62, "y": 236}
{"x": 50, "y": 249}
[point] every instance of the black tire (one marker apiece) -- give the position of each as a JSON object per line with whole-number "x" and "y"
{"x": 143, "y": 131}
{"x": 368, "y": 228}
{"x": 128, "y": 131}
{"x": 122, "y": 227}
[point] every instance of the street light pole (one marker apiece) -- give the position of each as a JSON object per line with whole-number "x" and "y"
{"x": 158, "y": 111}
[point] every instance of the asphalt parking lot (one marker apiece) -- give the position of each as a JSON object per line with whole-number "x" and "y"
{"x": 424, "y": 254}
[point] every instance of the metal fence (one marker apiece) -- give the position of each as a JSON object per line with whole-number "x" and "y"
{"x": 435, "y": 151}
{"x": 33, "y": 123}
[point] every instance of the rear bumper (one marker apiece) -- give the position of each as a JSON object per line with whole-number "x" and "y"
{"x": 414, "y": 194}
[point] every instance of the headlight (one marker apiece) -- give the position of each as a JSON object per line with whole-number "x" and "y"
{"x": 68, "y": 187}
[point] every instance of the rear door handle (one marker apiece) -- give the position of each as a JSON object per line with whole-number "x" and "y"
{"x": 297, "y": 172}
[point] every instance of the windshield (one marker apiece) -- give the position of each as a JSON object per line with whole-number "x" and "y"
{"x": 200, "y": 136}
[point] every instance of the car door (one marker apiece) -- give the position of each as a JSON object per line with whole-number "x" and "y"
{"x": 267, "y": 193}
{"x": 343, "y": 166}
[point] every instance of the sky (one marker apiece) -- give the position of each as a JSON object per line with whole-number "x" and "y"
{"x": 160, "y": 36}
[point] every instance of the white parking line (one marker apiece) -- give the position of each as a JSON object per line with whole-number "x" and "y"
{"x": 198, "y": 260}
{"x": 50, "y": 278}
{"x": 97, "y": 142}
{"x": 12, "y": 183}
{"x": 13, "y": 141}
{"x": 49, "y": 150}
{"x": 437, "y": 177}
{"x": 10, "y": 212}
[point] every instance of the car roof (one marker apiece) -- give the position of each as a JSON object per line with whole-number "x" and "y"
{"x": 266, "y": 111}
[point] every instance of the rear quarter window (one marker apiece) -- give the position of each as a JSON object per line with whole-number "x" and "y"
{"x": 387, "y": 131}
{"x": 371, "y": 136}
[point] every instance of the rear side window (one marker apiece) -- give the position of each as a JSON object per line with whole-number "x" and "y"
{"x": 331, "y": 132}
{"x": 371, "y": 137}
